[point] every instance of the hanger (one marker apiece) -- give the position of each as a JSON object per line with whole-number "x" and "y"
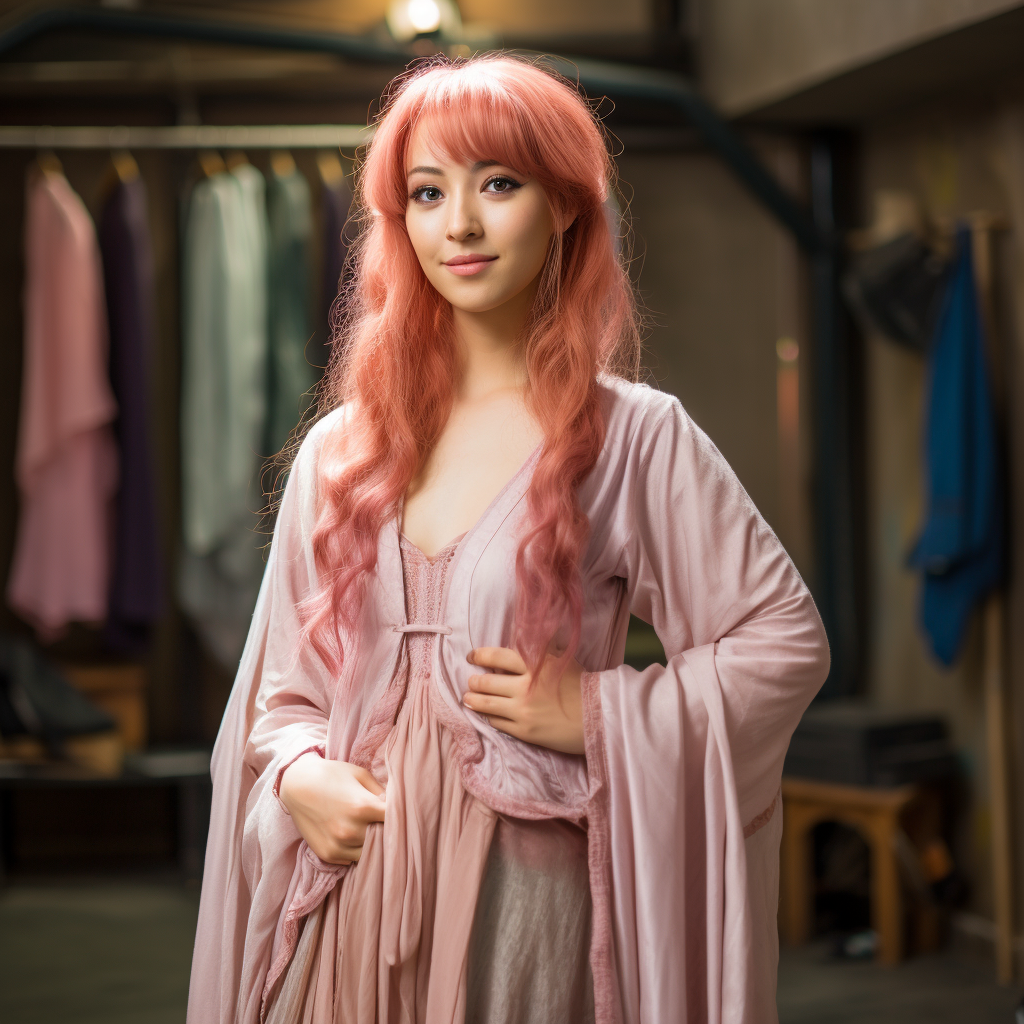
{"x": 124, "y": 166}
{"x": 44, "y": 166}
{"x": 331, "y": 172}
{"x": 121, "y": 170}
{"x": 47, "y": 163}
{"x": 211, "y": 162}
{"x": 282, "y": 163}
{"x": 235, "y": 159}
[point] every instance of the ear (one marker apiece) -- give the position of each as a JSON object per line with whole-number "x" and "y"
{"x": 562, "y": 216}
{"x": 568, "y": 219}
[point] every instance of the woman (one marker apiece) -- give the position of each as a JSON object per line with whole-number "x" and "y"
{"x": 438, "y": 793}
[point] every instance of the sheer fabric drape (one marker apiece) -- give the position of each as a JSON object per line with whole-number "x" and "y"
{"x": 453, "y": 913}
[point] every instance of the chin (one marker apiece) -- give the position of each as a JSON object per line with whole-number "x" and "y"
{"x": 478, "y": 307}
{"x": 476, "y": 303}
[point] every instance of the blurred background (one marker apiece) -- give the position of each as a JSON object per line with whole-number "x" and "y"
{"x": 828, "y": 206}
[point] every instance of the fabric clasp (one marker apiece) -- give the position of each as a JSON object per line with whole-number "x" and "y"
{"x": 423, "y": 627}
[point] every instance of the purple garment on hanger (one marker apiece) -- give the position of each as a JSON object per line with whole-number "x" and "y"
{"x": 336, "y": 200}
{"x": 136, "y": 591}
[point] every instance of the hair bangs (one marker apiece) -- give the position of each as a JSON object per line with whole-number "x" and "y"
{"x": 474, "y": 121}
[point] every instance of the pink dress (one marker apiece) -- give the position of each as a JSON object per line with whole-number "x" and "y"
{"x": 453, "y": 913}
{"x": 679, "y": 787}
{"x": 66, "y": 464}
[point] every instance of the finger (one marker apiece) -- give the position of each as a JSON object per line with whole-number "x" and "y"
{"x": 373, "y": 811}
{"x": 500, "y": 685}
{"x": 367, "y": 781}
{"x": 506, "y": 725}
{"x": 341, "y": 855}
{"x": 486, "y": 704}
{"x": 503, "y": 658}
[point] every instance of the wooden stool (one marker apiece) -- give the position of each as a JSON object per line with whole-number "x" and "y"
{"x": 119, "y": 689}
{"x": 875, "y": 814}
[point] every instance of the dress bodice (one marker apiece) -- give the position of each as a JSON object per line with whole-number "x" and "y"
{"x": 424, "y": 578}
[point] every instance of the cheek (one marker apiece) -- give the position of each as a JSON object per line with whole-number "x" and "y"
{"x": 420, "y": 235}
{"x": 527, "y": 233}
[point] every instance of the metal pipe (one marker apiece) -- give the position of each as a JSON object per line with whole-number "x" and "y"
{"x": 233, "y": 33}
{"x": 675, "y": 91}
{"x": 596, "y": 76}
{"x": 835, "y": 537}
{"x": 206, "y": 136}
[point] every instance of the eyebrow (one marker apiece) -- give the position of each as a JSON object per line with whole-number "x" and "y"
{"x": 478, "y": 166}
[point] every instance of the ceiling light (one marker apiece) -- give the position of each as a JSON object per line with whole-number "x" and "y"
{"x": 425, "y": 15}
{"x": 407, "y": 19}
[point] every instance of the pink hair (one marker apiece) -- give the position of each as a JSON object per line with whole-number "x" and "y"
{"x": 394, "y": 357}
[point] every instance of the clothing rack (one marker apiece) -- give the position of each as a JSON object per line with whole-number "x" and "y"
{"x": 202, "y": 136}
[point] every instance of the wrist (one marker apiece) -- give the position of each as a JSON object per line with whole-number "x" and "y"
{"x": 296, "y": 774}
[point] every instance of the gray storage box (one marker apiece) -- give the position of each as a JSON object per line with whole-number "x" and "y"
{"x": 850, "y": 743}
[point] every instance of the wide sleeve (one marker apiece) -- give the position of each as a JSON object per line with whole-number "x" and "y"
{"x": 278, "y": 709}
{"x": 686, "y": 759}
{"x": 294, "y": 696}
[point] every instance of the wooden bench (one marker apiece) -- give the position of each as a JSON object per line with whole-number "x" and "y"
{"x": 184, "y": 771}
{"x": 875, "y": 813}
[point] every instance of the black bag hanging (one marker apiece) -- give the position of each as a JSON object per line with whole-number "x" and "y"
{"x": 895, "y": 289}
{"x": 36, "y": 700}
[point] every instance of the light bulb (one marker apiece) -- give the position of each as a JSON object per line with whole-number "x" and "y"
{"x": 425, "y": 15}
{"x": 407, "y": 19}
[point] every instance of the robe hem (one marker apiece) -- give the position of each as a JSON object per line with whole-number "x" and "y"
{"x": 607, "y": 1003}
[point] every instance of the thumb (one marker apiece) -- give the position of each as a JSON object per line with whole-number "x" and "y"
{"x": 367, "y": 781}
{"x": 375, "y": 812}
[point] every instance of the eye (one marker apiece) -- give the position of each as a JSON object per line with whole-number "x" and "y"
{"x": 425, "y": 194}
{"x": 502, "y": 183}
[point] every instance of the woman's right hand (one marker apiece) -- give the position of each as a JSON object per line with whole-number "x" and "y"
{"x": 331, "y": 803}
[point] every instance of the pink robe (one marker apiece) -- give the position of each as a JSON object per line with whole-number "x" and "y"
{"x": 66, "y": 463}
{"x": 679, "y": 786}
{"x": 403, "y": 938}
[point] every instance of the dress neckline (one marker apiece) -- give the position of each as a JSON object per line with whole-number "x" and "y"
{"x": 450, "y": 546}
{"x": 484, "y": 516}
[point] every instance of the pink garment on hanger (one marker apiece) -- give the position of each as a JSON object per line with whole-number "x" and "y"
{"x": 66, "y": 462}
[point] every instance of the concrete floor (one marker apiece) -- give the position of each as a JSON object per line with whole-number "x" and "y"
{"x": 109, "y": 952}
{"x": 96, "y": 952}
{"x": 956, "y": 986}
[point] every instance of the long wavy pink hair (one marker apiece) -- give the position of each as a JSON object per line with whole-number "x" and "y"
{"x": 394, "y": 359}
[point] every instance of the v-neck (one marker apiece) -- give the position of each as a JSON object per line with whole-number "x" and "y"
{"x": 451, "y": 545}
{"x": 460, "y": 540}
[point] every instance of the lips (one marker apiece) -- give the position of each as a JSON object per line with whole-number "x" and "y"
{"x": 473, "y": 257}
{"x": 467, "y": 264}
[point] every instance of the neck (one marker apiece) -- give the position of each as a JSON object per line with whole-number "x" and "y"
{"x": 490, "y": 345}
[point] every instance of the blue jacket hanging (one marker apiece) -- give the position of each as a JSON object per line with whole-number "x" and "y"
{"x": 962, "y": 547}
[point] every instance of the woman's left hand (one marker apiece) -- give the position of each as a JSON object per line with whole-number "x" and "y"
{"x": 549, "y": 714}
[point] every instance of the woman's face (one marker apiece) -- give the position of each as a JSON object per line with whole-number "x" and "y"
{"x": 480, "y": 230}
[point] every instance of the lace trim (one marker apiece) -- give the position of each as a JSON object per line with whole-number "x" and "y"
{"x": 424, "y": 586}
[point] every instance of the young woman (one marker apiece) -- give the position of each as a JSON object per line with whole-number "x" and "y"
{"x": 439, "y": 795}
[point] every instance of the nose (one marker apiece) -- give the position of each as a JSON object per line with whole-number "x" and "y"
{"x": 463, "y": 219}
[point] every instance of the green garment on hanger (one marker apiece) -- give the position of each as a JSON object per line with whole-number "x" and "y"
{"x": 290, "y": 218}
{"x": 223, "y": 423}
